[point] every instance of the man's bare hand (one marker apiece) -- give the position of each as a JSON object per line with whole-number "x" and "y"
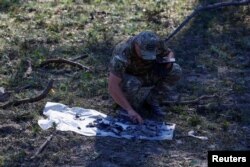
{"x": 135, "y": 117}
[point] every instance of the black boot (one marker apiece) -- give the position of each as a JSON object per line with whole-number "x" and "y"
{"x": 156, "y": 109}
{"x": 152, "y": 101}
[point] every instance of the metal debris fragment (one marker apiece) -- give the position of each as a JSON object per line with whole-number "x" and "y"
{"x": 122, "y": 127}
{"x": 192, "y": 134}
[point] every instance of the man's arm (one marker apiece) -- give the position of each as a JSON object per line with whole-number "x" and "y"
{"x": 117, "y": 94}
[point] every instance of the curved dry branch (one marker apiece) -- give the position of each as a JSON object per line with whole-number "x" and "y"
{"x": 79, "y": 57}
{"x": 64, "y": 61}
{"x": 200, "y": 9}
{"x": 195, "y": 101}
{"x": 32, "y": 99}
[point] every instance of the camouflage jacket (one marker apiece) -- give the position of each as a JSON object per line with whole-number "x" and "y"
{"x": 124, "y": 60}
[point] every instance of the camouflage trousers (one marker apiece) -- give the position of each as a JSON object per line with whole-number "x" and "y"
{"x": 150, "y": 87}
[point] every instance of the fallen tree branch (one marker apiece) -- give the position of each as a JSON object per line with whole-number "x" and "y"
{"x": 30, "y": 100}
{"x": 195, "y": 101}
{"x": 200, "y": 9}
{"x": 64, "y": 61}
{"x": 41, "y": 148}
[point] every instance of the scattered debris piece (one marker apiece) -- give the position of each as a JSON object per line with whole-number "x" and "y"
{"x": 192, "y": 134}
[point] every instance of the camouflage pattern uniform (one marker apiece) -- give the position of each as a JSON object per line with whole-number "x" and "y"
{"x": 140, "y": 80}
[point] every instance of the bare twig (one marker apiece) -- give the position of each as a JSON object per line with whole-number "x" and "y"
{"x": 30, "y": 100}
{"x": 221, "y": 107}
{"x": 195, "y": 101}
{"x": 200, "y": 9}
{"x": 61, "y": 61}
{"x": 41, "y": 148}
{"x": 79, "y": 57}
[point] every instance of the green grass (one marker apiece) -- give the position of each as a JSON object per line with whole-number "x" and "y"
{"x": 1, "y": 161}
{"x": 37, "y": 31}
{"x": 194, "y": 120}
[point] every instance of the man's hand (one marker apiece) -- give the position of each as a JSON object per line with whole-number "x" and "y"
{"x": 135, "y": 117}
{"x": 117, "y": 94}
{"x": 170, "y": 59}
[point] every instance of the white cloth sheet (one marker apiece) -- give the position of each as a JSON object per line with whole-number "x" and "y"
{"x": 90, "y": 122}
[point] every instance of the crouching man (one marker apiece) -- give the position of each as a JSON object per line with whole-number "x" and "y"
{"x": 141, "y": 70}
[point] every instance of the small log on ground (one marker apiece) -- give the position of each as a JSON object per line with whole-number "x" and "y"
{"x": 64, "y": 61}
{"x": 195, "y": 101}
{"x": 41, "y": 148}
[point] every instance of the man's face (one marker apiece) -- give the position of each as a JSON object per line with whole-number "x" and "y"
{"x": 138, "y": 51}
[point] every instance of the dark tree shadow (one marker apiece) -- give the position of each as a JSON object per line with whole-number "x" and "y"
{"x": 6, "y": 4}
{"x": 209, "y": 30}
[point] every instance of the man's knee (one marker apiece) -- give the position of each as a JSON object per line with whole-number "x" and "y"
{"x": 174, "y": 75}
{"x": 131, "y": 84}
